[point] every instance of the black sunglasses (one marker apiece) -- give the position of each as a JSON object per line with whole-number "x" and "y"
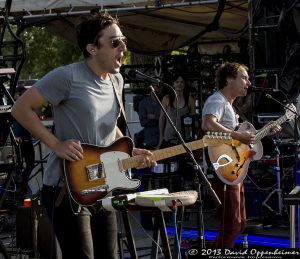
{"x": 115, "y": 42}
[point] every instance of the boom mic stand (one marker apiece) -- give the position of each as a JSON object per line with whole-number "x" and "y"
{"x": 197, "y": 167}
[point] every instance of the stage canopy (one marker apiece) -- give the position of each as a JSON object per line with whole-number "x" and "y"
{"x": 152, "y": 27}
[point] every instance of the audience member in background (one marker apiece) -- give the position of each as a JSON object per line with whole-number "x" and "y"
{"x": 175, "y": 110}
{"x": 149, "y": 112}
{"x": 24, "y": 140}
{"x": 185, "y": 106}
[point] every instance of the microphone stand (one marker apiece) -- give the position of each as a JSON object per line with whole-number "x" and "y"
{"x": 296, "y": 145}
{"x": 199, "y": 173}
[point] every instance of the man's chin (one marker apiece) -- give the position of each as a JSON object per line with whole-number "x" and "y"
{"x": 115, "y": 70}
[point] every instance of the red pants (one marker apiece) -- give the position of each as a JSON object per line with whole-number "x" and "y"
{"x": 231, "y": 213}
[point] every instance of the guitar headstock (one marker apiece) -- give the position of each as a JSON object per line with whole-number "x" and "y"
{"x": 290, "y": 111}
{"x": 216, "y": 138}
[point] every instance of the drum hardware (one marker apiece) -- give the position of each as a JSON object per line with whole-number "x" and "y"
{"x": 286, "y": 142}
{"x": 278, "y": 185}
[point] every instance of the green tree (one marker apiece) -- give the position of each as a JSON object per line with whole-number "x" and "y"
{"x": 46, "y": 51}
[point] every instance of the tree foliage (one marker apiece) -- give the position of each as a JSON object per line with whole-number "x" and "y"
{"x": 45, "y": 51}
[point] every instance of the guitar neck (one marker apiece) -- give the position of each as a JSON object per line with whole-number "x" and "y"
{"x": 133, "y": 162}
{"x": 266, "y": 129}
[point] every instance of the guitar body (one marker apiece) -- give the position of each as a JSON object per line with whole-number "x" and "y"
{"x": 231, "y": 161}
{"x": 99, "y": 172}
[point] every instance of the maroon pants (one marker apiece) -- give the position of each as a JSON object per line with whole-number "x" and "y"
{"x": 231, "y": 214}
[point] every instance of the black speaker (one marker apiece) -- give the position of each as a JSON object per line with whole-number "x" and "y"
{"x": 26, "y": 228}
{"x": 34, "y": 233}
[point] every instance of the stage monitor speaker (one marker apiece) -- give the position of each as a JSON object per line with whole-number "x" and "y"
{"x": 34, "y": 233}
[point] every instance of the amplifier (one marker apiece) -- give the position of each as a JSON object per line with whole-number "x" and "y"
{"x": 34, "y": 233}
{"x": 267, "y": 117}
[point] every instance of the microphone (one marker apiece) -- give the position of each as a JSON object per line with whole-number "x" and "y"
{"x": 262, "y": 89}
{"x": 288, "y": 106}
{"x": 139, "y": 75}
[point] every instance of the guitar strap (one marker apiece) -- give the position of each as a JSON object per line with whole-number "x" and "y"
{"x": 120, "y": 101}
{"x": 240, "y": 113}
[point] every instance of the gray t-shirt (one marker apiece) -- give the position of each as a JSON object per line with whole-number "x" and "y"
{"x": 84, "y": 107}
{"x": 218, "y": 106}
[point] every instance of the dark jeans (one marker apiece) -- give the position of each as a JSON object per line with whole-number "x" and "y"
{"x": 91, "y": 233}
{"x": 233, "y": 219}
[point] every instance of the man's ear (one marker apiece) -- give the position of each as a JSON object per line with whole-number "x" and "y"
{"x": 91, "y": 48}
{"x": 229, "y": 80}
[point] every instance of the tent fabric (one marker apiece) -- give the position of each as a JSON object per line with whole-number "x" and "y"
{"x": 40, "y": 5}
{"x": 150, "y": 26}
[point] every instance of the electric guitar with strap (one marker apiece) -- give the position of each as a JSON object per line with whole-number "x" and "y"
{"x": 231, "y": 161}
{"x": 104, "y": 169}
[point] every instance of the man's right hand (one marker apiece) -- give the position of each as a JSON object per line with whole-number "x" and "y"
{"x": 245, "y": 137}
{"x": 70, "y": 150}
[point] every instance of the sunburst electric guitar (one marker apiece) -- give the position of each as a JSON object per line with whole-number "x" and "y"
{"x": 231, "y": 161}
{"x": 104, "y": 169}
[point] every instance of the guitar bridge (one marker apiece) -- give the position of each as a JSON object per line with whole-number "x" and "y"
{"x": 95, "y": 171}
{"x": 102, "y": 188}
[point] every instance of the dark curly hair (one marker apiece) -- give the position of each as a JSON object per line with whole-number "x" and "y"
{"x": 91, "y": 29}
{"x": 227, "y": 70}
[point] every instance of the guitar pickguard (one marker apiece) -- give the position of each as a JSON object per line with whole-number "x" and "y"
{"x": 116, "y": 176}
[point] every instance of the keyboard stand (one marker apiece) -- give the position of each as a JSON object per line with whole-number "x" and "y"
{"x": 159, "y": 230}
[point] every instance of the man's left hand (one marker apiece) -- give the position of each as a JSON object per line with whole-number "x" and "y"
{"x": 146, "y": 157}
{"x": 275, "y": 129}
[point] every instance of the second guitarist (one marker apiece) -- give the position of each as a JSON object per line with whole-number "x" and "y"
{"x": 219, "y": 115}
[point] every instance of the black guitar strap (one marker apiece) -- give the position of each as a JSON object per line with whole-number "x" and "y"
{"x": 240, "y": 113}
{"x": 120, "y": 101}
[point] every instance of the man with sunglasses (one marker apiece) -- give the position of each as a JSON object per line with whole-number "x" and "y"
{"x": 85, "y": 110}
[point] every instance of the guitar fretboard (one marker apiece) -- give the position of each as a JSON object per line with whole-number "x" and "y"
{"x": 135, "y": 161}
{"x": 210, "y": 140}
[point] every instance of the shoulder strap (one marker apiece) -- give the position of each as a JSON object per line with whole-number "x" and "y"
{"x": 240, "y": 113}
{"x": 119, "y": 98}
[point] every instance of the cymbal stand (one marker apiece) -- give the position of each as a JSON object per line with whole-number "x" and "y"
{"x": 278, "y": 185}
